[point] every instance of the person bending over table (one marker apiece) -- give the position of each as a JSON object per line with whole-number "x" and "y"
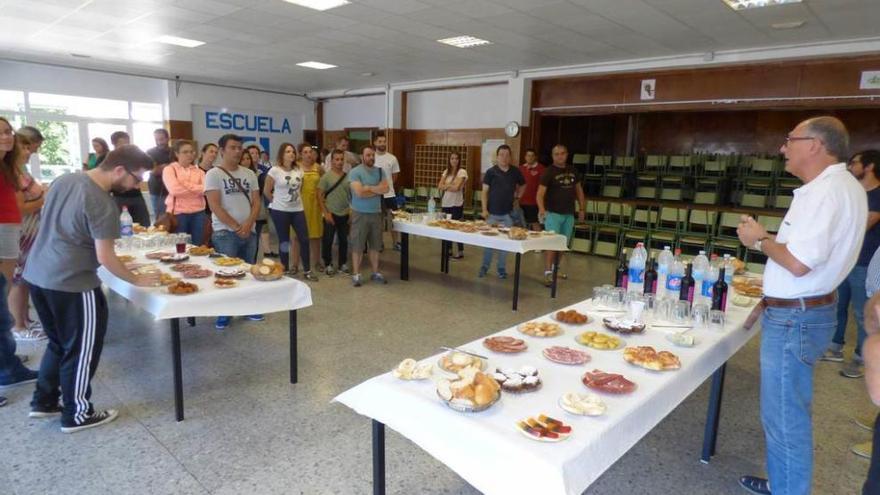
{"x": 234, "y": 198}
{"x": 502, "y": 184}
{"x": 816, "y": 247}
{"x": 80, "y": 224}
{"x": 132, "y": 199}
{"x": 368, "y": 184}
{"x": 559, "y": 188}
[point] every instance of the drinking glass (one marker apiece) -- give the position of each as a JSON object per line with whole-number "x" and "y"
{"x": 180, "y": 243}
{"x": 137, "y": 244}
{"x": 598, "y": 295}
{"x": 650, "y": 306}
{"x": 681, "y": 312}
{"x": 618, "y": 296}
{"x": 635, "y": 310}
{"x": 716, "y": 320}
{"x": 663, "y": 309}
{"x": 700, "y": 315}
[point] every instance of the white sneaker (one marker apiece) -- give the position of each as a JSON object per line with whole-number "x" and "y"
{"x": 29, "y": 335}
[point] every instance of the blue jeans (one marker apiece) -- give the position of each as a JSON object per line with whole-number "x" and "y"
{"x": 792, "y": 339}
{"x": 283, "y": 221}
{"x": 192, "y": 224}
{"x": 158, "y": 204}
{"x": 507, "y": 221}
{"x": 10, "y": 365}
{"x": 852, "y": 289}
{"x": 229, "y": 243}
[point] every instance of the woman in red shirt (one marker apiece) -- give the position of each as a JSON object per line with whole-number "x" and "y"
{"x": 11, "y": 200}
{"x": 532, "y": 172}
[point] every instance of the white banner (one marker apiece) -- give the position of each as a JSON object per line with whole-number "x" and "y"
{"x": 267, "y": 129}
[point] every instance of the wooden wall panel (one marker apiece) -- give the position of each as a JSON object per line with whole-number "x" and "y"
{"x": 180, "y": 129}
{"x": 793, "y": 79}
{"x": 467, "y": 137}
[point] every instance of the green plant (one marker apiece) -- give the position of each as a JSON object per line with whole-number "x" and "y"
{"x": 54, "y": 149}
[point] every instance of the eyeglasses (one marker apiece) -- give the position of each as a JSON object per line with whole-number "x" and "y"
{"x": 137, "y": 179}
{"x": 789, "y": 139}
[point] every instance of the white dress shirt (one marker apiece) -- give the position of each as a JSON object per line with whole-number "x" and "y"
{"x": 823, "y": 228}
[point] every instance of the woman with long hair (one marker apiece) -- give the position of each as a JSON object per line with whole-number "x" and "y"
{"x": 33, "y": 192}
{"x": 248, "y": 161}
{"x": 451, "y": 184}
{"x": 284, "y": 184}
{"x": 186, "y": 191}
{"x": 312, "y": 172}
{"x": 12, "y": 371}
{"x": 95, "y": 159}
{"x": 207, "y": 157}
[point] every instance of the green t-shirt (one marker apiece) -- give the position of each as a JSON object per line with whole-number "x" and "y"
{"x": 339, "y": 201}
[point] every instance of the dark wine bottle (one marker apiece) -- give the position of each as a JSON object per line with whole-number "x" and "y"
{"x": 622, "y": 276}
{"x": 651, "y": 277}
{"x": 687, "y": 285}
{"x": 719, "y": 292}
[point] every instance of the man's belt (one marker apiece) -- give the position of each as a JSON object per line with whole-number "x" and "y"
{"x": 774, "y": 302}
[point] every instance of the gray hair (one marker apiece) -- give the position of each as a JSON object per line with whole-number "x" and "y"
{"x": 832, "y": 133}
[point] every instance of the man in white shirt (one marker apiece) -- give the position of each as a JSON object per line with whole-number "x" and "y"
{"x": 816, "y": 247}
{"x": 390, "y": 170}
{"x": 351, "y": 160}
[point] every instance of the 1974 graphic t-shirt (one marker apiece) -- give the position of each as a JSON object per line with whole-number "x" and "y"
{"x": 233, "y": 201}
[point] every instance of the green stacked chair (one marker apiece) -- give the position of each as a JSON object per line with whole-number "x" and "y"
{"x": 700, "y": 231}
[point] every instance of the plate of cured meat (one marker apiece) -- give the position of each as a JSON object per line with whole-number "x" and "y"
{"x": 565, "y": 355}
{"x": 610, "y": 383}
{"x": 505, "y": 344}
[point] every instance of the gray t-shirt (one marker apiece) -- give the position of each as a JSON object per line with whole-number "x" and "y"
{"x": 234, "y": 202}
{"x": 76, "y": 212}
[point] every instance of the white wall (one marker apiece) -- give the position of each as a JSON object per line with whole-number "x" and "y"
{"x": 466, "y": 108}
{"x": 76, "y": 82}
{"x": 355, "y": 111}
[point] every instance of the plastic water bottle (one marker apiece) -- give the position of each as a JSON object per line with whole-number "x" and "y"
{"x": 664, "y": 261}
{"x": 676, "y": 273}
{"x": 701, "y": 267}
{"x": 709, "y": 280}
{"x": 728, "y": 270}
{"x": 126, "y": 223}
{"x": 432, "y": 206}
{"x": 636, "y": 279}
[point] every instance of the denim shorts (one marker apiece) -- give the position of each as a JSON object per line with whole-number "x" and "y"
{"x": 10, "y": 236}
{"x": 559, "y": 223}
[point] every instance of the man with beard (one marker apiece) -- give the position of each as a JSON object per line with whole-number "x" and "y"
{"x": 390, "y": 169}
{"x": 80, "y": 223}
{"x": 865, "y": 167}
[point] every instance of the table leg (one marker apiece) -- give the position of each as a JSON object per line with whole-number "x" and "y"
{"x": 404, "y": 256}
{"x": 191, "y": 321}
{"x": 293, "y": 357}
{"x": 178, "y": 373}
{"x": 447, "y": 251}
{"x": 713, "y": 414}
{"x": 555, "y": 274}
{"x": 516, "y": 280}
{"x": 442, "y": 256}
{"x": 378, "y": 458}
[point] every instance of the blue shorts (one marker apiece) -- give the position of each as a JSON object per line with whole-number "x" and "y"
{"x": 559, "y": 223}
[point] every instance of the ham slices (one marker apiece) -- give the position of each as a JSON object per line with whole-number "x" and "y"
{"x": 505, "y": 344}
{"x": 610, "y": 383}
{"x": 565, "y": 355}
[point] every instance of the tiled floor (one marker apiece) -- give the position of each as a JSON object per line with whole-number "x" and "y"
{"x": 247, "y": 431}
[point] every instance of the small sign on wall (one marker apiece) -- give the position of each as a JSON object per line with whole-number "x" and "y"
{"x": 870, "y": 79}
{"x": 648, "y": 89}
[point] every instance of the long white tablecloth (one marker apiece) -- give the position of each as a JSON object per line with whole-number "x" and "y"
{"x": 486, "y": 449}
{"x": 501, "y": 241}
{"x": 251, "y": 296}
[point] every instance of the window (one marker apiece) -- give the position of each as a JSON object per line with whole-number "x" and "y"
{"x": 80, "y": 106}
{"x": 12, "y": 100}
{"x": 143, "y": 134}
{"x": 146, "y": 111}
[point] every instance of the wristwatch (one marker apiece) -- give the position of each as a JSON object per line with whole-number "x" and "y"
{"x": 757, "y": 245}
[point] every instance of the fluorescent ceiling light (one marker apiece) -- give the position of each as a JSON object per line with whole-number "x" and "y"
{"x": 754, "y": 4}
{"x": 174, "y": 40}
{"x": 464, "y": 41}
{"x": 311, "y": 64}
{"x": 319, "y": 4}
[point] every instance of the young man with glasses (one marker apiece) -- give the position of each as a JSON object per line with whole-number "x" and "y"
{"x": 80, "y": 224}
{"x": 816, "y": 247}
